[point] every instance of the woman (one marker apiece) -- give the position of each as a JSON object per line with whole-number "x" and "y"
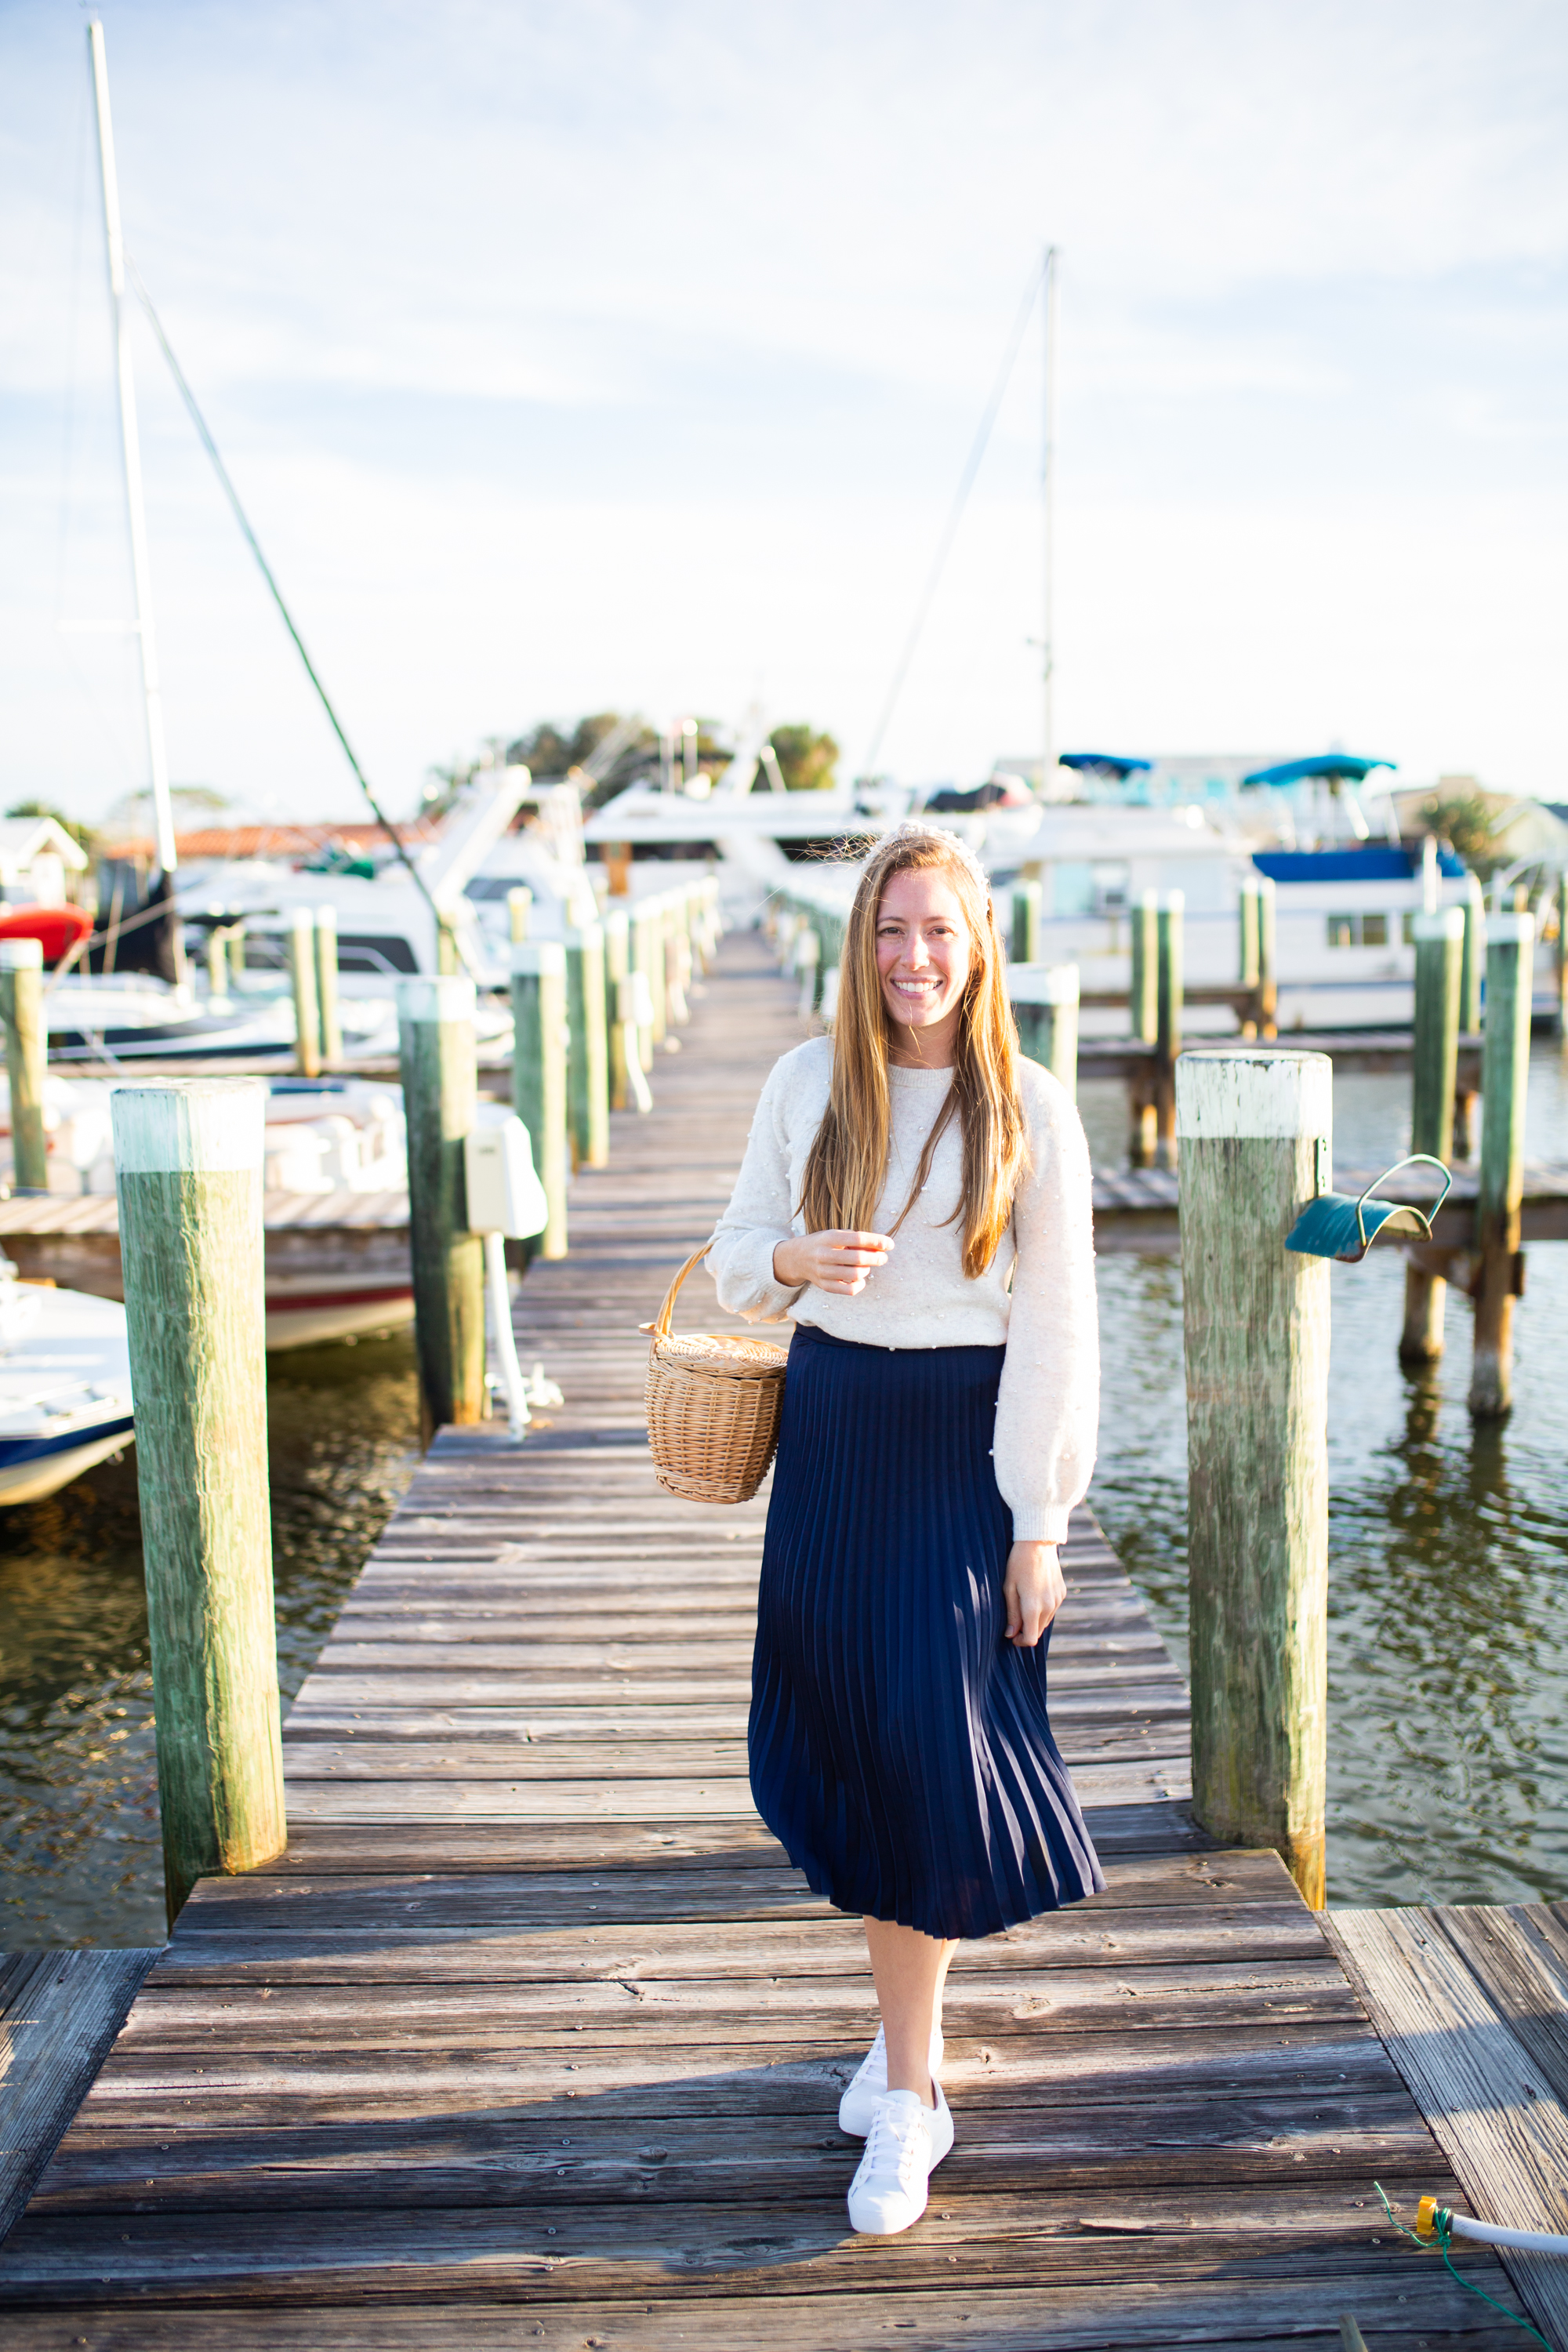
{"x": 917, "y": 1196}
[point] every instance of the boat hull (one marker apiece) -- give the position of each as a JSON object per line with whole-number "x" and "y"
{"x": 31, "y": 1469}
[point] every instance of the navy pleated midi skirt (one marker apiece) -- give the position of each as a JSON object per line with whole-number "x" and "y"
{"x": 900, "y": 1748}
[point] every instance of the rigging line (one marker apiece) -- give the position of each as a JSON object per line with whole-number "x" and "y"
{"x": 956, "y": 513}
{"x": 210, "y": 445}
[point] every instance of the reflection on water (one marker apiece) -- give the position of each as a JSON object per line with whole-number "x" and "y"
{"x": 79, "y": 1859}
{"x": 1448, "y": 1550}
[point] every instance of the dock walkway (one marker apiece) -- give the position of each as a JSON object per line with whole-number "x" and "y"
{"x": 532, "y": 2037}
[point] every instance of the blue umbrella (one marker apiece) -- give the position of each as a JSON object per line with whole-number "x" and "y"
{"x": 1103, "y": 763}
{"x": 1339, "y": 767}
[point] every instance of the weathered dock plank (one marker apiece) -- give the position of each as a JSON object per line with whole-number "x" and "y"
{"x": 533, "y": 2037}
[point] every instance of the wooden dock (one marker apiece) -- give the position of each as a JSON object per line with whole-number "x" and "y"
{"x": 535, "y": 2038}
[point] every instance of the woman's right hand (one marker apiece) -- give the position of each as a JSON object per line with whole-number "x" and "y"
{"x": 838, "y": 1262}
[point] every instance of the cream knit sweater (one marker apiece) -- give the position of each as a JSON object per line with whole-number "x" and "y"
{"x": 1036, "y": 1296}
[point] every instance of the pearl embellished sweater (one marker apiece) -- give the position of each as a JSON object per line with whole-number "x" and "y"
{"x": 1036, "y": 1297}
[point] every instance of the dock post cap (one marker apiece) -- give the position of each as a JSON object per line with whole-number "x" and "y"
{"x": 188, "y": 1127}
{"x": 1253, "y": 1092}
{"x": 1443, "y": 923}
{"x": 587, "y": 933}
{"x": 534, "y": 957}
{"x": 436, "y": 996}
{"x": 1509, "y": 930}
{"x": 1043, "y": 983}
{"x": 21, "y": 955}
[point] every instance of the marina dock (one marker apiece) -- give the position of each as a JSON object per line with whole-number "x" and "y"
{"x": 533, "y": 2037}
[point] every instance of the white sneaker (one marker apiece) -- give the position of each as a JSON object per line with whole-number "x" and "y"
{"x": 903, "y": 2148}
{"x": 858, "y": 2104}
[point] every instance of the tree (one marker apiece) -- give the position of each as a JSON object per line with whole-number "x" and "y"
{"x": 1469, "y": 823}
{"x": 807, "y": 761}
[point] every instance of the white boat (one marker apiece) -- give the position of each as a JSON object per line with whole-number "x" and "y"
{"x": 65, "y": 1386}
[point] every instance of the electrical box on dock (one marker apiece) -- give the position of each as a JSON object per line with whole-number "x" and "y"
{"x": 505, "y": 1195}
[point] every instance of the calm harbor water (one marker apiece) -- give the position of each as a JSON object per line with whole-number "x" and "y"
{"x": 1449, "y": 1561}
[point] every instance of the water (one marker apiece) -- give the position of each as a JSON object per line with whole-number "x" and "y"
{"x": 1448, "y": 1555}
{"x": 79, "y": 1855}
{"x": 1448, "y": 1545}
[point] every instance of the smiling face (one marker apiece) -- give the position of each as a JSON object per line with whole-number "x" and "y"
{"x": 924, "y": 957}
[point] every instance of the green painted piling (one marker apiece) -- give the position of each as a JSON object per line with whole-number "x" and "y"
{"x": 303, "y": 977}
{"x": 1505, "y": 1074}
{"x": 1472, "y": 966}
{"x": 1143, "y": 917}
{"x": 188, "y": 1167}
{"x": 1439, "y": 953}
{"x": 539, "y": 1073}
{"x": 1253, "y": 1122}
{"x": 435, "y": 1052}
{"x": 1168, "y": 1024}
{"x": 1045, "y": 1006}
{"x": 588, "y": 1074}
{"x": 27, "y": 1060}
{"x": 330, "y": 1020}
{"x": 218, "y": 966}
{"x": 618, "y": 964}
{"x": 1024, "y": 946}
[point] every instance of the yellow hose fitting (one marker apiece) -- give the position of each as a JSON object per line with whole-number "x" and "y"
{"x": 1425, "y": 2218}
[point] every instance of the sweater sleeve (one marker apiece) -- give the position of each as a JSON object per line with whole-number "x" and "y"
{"x": 1047, "y": 1411}
{"x": 759, "y": 1216}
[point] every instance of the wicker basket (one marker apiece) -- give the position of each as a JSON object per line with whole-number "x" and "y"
{"x": 713, "y": 1406}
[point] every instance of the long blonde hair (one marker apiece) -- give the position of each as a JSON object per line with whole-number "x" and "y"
{"x": 847, "y": 1164}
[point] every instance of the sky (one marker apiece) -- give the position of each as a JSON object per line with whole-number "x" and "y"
{"x": 574, "y": 354}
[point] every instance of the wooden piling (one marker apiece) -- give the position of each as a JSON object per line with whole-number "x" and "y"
{"x": 618, "y": 964}
{"x": 1505, "y": 1074}
{"x": 303, "y": 974}
{"x": 27, "y": 1060}
{"x": 657, "y": 968}
{"x": 1143, "y": 917}
{"x": 1045, "y": 1006}
{"x": 1560, "y": 952}
{"x": 1473, "y": 964}
{"x": 1254, "y": 1123}
{"x": 588, "y": 1076}
{"x": 1267, "y": 962}
{"x": 519, "y": 902}
{"x": 188, "y": 1165}
{"x": 1024, "y": 946}
{"x": 1247, "y": 968}
{"x": 236, "y": 936}
{"x": 1167, "y": 1024}
{"x": 539, "y": 1073}
{"x": 332, "y": 1026}
{"x": 218, "y": 965}
{"x": 1144, "y": 1022}
{"x": 1439, "y": 953}
{"x": 436, "y": 1048}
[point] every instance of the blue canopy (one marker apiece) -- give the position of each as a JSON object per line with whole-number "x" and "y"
{"x": 1336, "y": 765}
{"x": 1103, "y": 763}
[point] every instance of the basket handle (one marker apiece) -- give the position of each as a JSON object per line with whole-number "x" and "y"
{"x": 660, "y": 1326}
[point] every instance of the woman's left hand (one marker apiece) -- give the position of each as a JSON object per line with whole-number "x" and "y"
{"x": 1033, "y": 1590}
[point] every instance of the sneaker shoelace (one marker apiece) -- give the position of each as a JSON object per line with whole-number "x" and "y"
{"x": 897, "y": 2133}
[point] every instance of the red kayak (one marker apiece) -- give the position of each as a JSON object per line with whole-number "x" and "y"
{"x": 56, "y": 928}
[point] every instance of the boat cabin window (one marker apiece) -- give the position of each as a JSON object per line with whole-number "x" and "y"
{"x": 1358, "y": 931}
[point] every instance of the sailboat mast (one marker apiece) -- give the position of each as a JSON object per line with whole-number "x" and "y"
{"x": 1048, "y": 528}
{"x": 130, "y": 448}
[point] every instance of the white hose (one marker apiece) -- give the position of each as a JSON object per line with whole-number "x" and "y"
{"x": 1488, "y": 2233}
{"x": 505, "y": 1340}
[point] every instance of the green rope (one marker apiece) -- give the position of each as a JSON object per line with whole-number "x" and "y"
{"x": 1442, "y": 2240}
